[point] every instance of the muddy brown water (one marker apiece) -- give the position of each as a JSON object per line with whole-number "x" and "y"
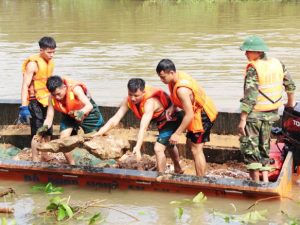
{"x": 104, "y": 43}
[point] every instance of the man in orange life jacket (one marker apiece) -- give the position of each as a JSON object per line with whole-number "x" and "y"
{"x": 263, "y": 91}
{"x": 34, "y": 94}
{"x": 149, "y": 104}
{"x": 200, "y": 112}
{"x": 78, "y": 109}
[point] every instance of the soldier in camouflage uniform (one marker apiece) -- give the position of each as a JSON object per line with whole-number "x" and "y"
{"x": 259, "y": 106}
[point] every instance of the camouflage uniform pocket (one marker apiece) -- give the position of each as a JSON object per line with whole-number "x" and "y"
{"x": 249, "y": 149}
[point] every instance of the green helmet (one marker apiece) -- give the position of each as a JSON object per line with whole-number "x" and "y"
{"x": 254, "y": 43}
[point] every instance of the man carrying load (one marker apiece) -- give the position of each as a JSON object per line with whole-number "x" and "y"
{"x": 149, "y": 104}
{"x": 78, "y": 109}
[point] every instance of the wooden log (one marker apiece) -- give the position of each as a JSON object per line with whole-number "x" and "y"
{"x": 7, "y": 210}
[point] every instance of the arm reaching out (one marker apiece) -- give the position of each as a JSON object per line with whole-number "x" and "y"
{"x": 114, "y": 121}
{"x": 149, "y": 109}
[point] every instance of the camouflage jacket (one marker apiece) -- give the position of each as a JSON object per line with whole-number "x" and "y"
{"x": 251, "y": 91}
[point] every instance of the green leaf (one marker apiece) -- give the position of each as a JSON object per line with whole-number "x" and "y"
{"x": 227, "y": 219}
{"x": 247, "y": 218}
{"x": 254, "y": 166}
{"x": 56, "y": 200}
{"x": 267, "y": 168}
{"x": 183, "y": 201}
{"x": 179, "y": 212}
{"x": 52, "y": 207}
{"x": 67, "y": 209}
{"x": 3, "y": 221}
{"x": 253, "y": 217}
{"x": 61, "y": 213}
{"x": 199, "y": 198}
{"x": 39, "y": 187}
{"x": 55, "y": 193}
{"x": 94, "y": 218}
{"x": 175, "y": 202}
{"x": 48, "y": 188}
{"x": 14, "y": 222}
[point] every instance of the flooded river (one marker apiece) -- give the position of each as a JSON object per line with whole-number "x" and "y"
{"x": 106, "y": 42}
{"x": 134, "y": 207}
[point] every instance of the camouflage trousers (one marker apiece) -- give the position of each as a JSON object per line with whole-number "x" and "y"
{"x": 255, "y": 146}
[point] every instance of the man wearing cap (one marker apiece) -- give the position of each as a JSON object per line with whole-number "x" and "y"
{"x": 263, "y": 91}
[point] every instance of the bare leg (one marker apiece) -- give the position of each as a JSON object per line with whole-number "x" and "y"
{"x": 199, "y": 158}
{"x": 35, "y": 154}
{"x": 265, "y": 175}
{"x": 160, "y": 157}
{"x": 254, "y": 174}
{"x": 34, "y": 143}
{"x": 175, "y": 158}
{"x": 63, "y": 134}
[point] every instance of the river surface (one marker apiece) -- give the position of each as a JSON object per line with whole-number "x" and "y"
{"x": 135, "y": 207}
{"x": 106, "y": 42}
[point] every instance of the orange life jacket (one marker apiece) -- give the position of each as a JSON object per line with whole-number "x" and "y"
{"x": 71, "y": 102}
{"x": 270, "y": 83}
{"x": 150, "y": 92}
{"x": 45, "y": 70}
{"x": 201, "y": 101}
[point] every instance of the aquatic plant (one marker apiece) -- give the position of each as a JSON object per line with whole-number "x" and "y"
{"x": 96, "y": 218}
{"x": 48, "y": 188}
{"x": 61, "y": 209}
{"x": 5, "y": 222}
{"x": 255, "y": 216}
{"x": 247, "y": 218}
{"x": 200, "y": 198}
{"x": 291, "y": 220}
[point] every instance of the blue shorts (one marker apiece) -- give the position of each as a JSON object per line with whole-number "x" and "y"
{"x": 168, "y": 128}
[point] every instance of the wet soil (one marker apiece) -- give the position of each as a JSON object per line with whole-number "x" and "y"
{"x": 230, "y": 169}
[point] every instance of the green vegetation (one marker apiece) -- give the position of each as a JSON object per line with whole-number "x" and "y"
{"x": 246, "y": 218}
{"x": 62, "y": 210}
{"x": 5, "y": 222}
{"x": 252, "y": 216}
{"x": 199, "y": 199}
{"x": 48, "y": 188}
{"x": 59, "y": 208}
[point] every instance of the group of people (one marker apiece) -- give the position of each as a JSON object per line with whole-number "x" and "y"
{"x": 186, "y": 108}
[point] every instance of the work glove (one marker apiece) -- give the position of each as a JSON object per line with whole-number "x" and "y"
{"x": 24, "y": 115}
{"x": 78, "y": 115}
{"x": 42, "y": 130}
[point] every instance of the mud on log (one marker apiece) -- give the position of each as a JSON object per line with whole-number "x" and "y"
{"x": 7, "y": 210}
{"x": 103, "y": 147}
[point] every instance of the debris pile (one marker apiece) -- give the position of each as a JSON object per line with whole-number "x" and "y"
{"x": 128, "y": 161}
